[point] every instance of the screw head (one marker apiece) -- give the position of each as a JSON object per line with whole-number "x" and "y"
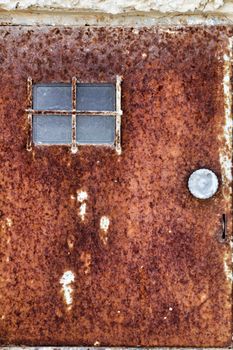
{"x": 203, "y": 183}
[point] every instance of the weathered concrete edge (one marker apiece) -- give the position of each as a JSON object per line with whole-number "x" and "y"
{"x": 89, "y": 18}
{"x": 102, "y": 348}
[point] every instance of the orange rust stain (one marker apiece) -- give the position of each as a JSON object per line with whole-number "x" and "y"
{"x": 86, "y": 260}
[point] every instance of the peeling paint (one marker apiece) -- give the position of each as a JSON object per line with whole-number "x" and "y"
{"x": 82, "y": 196}
{"x": 225, "y": 154}
{"x": 228, "y": 269}
{"x": 104, "y": 223}
{"x": 9, "y": 222}
{"x": 82, "y": 211}
{"x": 66, "y": 280}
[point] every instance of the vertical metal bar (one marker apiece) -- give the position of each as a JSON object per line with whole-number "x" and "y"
{"x": 29, "y": 106}
{"x": 74, "y": 147}
{"x": 118, "y": 116}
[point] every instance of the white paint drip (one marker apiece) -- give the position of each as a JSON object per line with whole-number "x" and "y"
{"x": 226, "y": 163}
{"x": 82, "y": 211}
{"x": 82, "y": 196}
{"x": 228, "y": 270}
{"x": 225, "y": 156}
{"x": 9, "y": 222}
{"x": 74, "y": 150}
{"x": 66, "y": 280}
{"x": 104, "y": 223}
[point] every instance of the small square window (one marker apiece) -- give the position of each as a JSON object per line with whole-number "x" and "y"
{"x": 74, "y": 114}
{"x": 96, "y": 97}
{"x": 52, "y": 97}
{"x": 52, "y": 129}
{"x": 95, "y": 130}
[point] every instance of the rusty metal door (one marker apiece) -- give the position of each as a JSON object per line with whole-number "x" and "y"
{"x": 104, "y": 249}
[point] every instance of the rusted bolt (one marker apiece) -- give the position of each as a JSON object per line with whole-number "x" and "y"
{"x": 203, "y": 183}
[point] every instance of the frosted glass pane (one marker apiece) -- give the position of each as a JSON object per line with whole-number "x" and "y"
{"x": 96, "y": 97}
{"x": 95, "y": 129}
{"x": 52, "y": 129}
{"x": 52, "y": 97}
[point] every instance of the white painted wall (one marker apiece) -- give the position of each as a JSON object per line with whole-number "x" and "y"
{"x": 116, "y": 12}
{"x": 118, "y": 6}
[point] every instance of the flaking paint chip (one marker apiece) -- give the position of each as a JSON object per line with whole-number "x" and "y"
{"x": 82, "y": 196}
{"x": 82, "y": 211}
{"x": 66, "y": 280}
{"x": 104, "y": 223}
{"x": 9, "y": 222}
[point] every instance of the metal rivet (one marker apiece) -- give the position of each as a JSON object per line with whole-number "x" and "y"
{"x": 203, "y": 183}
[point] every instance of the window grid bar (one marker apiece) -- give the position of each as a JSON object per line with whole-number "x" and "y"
{"x": 77, "y": 112}
{"x": 118, "y": 115}
{"x": 74, "y": 147}
{"x": 29, "y": 106}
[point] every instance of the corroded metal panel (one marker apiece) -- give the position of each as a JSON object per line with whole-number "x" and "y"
{"x": 99, "y": 248}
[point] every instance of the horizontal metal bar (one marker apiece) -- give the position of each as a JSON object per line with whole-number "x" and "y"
{"x": 69, "y": 113}
{"x": 99, "y": 113}
{"x": 48, "y": 112}
{"x": 52, "y": 144}
{"x": 110, "y": 145}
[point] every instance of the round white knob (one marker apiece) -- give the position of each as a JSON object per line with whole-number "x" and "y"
{"x": 203, "y": 183}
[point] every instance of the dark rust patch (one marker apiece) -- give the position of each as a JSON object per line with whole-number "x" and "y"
{"x": 158, "y": 279}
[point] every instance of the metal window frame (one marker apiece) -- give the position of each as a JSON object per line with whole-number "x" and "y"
{"x": 74, "y": 112}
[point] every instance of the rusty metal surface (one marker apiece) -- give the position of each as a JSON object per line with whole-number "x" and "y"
{"x": 103, "y": 249}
